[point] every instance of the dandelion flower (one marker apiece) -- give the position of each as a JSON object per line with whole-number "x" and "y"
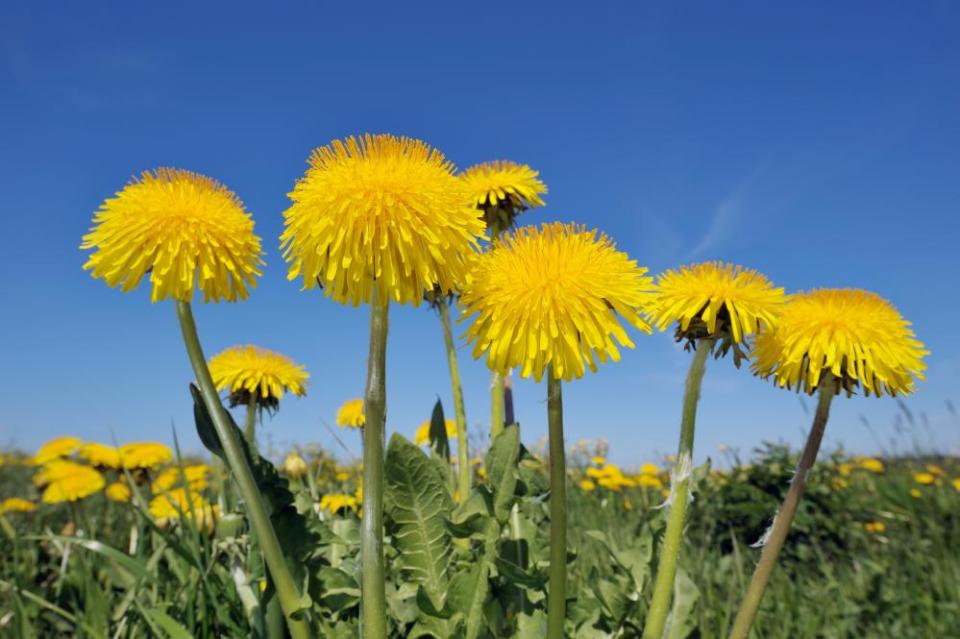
{"x": 956, "y": 484}
{"x": 350, "y": 414}
{"x": 587, "y": 485}
{"x": 380, "y": 211}
{"x": 872, "y": 464}
{"x": 649, "y": 469}
{"x": 17, "y": 505}
{"x": 649, "y": 481}
{"x": 149, "y": 455}
{"x": 334, "y": 503}
{"x": 118, "y": 492}
{"x": 422, "y": 435}
{"x": 69, "y": 481}
{"x": 598, "y": 460}
{"x": 924, "y": 479}
{"x": 294, "y": 466}
{"x": 875, "y": 527}
{"x": 715, "y": 300}
{"x": 502, "y": 190}
{"x": 856, "y": 335}
{"x": 553, "y": 296}
{"x": 184, "y": 229}
{"x": 915, "y": 493}
{"x": 170, "y": 506}
{"x": 100, "y": 455}
{"x": 197, "y": 475}
{"x": 247, "y": 371}
{"x": 55, "y": 449}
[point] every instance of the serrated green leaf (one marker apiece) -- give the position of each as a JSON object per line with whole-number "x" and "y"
{"x": 166, "y": 623}
{"x": 501, "y": 465}
{"x": 468, "y": 594}
{"x": 418, "y": 505}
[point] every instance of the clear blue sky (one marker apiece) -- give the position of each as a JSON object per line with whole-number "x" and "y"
{"x": 819, "y": 144}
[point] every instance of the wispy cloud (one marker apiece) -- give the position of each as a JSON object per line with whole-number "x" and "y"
{"x": 726, "y": 217}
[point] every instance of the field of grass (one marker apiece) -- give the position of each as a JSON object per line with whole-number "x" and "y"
{"x": 872, "y": 553}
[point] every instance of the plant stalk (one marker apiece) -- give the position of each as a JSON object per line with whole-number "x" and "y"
{"x": 781, "y": 522}
{"x": 496, "y": 405}
{"x": 557, "y": 592}
{"x": 679, "y": 496}
{"x": 286, "y": 588}
{"x": 250, "y": 429}
{"x": 509, "y": 416}
{"x": 373, "y": 592}
{"x": 460, "y": 413}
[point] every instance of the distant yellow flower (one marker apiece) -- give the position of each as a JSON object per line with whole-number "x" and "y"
{"x": 553, "y": 296}
{"x": 148, "y": 455}
{"x": 915, "y": 493}
{"x": 422, "y": 435}
{"x": 599, "y": 460}
{"x": 100, "y": 455}
{"x": 342, "y": 475}
{"x": 933, "y": 469}
{"x": 502, "y": 190}
{"x": 716, "y": 300}
{"x": 872, "y": 464}
{"x": 956, "y": 484}
{"x": 379, "y": 211}
{"x": 840, "y": 483}
{"x": 333, "y": 502}
{"x": 170, "y": 506}
{"x": 649, "y": 481}
{"x": 69, "y": 481}
{"x": 649, "y": 469}
{"x": 118, "y": 491}
{"x": 875, "y": 527}
{"x": 182, "y": 228}
{"x": 17, "y": 505}
{"x": 197, "y": 475}
{"x": 56, "y": 448}
{"x": 245, "y": 370}
{"x": 351, "y": 415}
{"x": 295, "y": 466}
{"x": 924, "y": 479}
{"x": 856, "y": 335}
{"x": 845, "y": 469}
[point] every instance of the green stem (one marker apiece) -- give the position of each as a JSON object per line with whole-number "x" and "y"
{"x": 509, "y": 417}
{"x": 557, "y": 592}
{"x": 286, "y": 588}
{"x": 463, "y": 446}
{"x": 373, "y": 591}
{"x": 679, "y": 496}
{"x": 250, "y": 430}
{"x": 496, "y": 405}
{"x": 781, "y": 523}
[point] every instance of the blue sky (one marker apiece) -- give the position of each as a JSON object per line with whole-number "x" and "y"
{"x": 819, "y": 144}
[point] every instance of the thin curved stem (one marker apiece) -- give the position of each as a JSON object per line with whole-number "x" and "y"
{"x": 460, "y": 413}
{"x": 679, "y": 497}
{"x": 557, "y": 589}
{"x": 250, "y": 429}
{"x": 287, "y": 591}
{"x": 781, "y": 522}
{"x": 373, "y": 614}
{"x": 496, "y": 405}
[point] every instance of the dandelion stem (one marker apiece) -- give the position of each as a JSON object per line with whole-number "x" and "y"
{"x": 679, "y": 496}
{"x": 250, "y": 430}
{"x": 496, "y": 405}
{"x": 373, "y": 591}
{"x": 463, "y": 446}
{"x": 781, "y": 523}
{"x": 286, "y": 588}
{"x": 557, "y": 592}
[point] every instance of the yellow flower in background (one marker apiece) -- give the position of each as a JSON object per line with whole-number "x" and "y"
{"x": 845, "y": 469}
{"x": 840, "y": 483}
{"x": 172, "y": 505}
{"x": 422, "y": 435}
{"x": 149, "y": 455}
{"x": 379, "y": 211}
{"x": 350, "y": 414}
{"x": 915, "y": 493}
{"x": 342, "y": 475}
{"x": 587, "y": 485}
{"x": 68, "y": 481}
{"x": 856, "y": 335}
{"x": 599, "y": 460}
{"x": 100, "y": 455}
{"x": 294, "y": 466}
{"x": 17, "y": 505}
{"x": 716, "y": 300}
{"x": 502, "y": 190}
{"x": 933, "y": 469}
{"x": 875, "y": 527}
{"x": 872, "y": 464}
{"x": 924, "y": 479}
{"x": 184, "y": 229}
{"x": 333, "y": 503}
{"x": 649, "y": 481}
{"x": 55, "y": 449}
{"x": 247, "y": 370}
{"x": 956, "y": 484}
{"x": 197, "y": 475}
{"x": 553, "y": 296}
{"x": 649, "y": 469}
{"x": 118, "y": 492}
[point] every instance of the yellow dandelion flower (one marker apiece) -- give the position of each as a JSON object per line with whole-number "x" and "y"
{"x": 845, "y": 469}
{"x": 422, "y": 435}
{"x": 333, "y": 503}
{"x": 55, "y": 449}
{"x": 933, "y": 469}
{"x": 184, "y": 229}
{"x": 249, "y": 370}
{"x": 875, "y": 527}
{"x": 380, "y": 211}
{"x": 587, "y": 485}
{"x": 915, "y": 493}
{"x": 718, "y": 301}
{"x": 17, "y": 505}
{"x": 350, "y": 414}
{"x": 649, "y": 481}
{"x": 649, "y": 469}
{"x": 170, "y": 506}
{"x": 342, "y": 475}
{"x": 924, "y": 479}
{"x": 144, "y": 455}
{"x": 502, "y": 190}
{"x": 599, "y": 460}
{"x": 872, "y": 464}
{"x": 295, "y": 466}
{"x": 553, "y": 296}
{"x": 956, "y": 484}
{"x": 100, "y": 455}
{"x": 856, "y": 335}
{"x": 118, "y": 492}
{"x": 197, "y": 475}
{"x": 69, "y": 481}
